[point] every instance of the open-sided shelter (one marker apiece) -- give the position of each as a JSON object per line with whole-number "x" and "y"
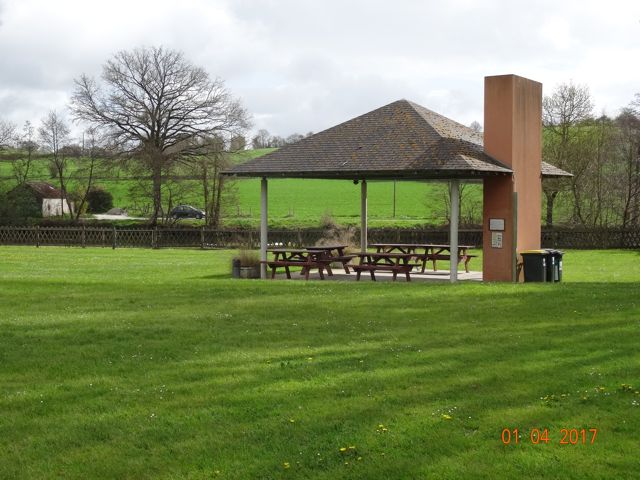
{"x": 405, "y": 141}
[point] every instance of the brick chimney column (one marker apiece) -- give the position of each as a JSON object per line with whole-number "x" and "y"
{"x": 513, "y": 136}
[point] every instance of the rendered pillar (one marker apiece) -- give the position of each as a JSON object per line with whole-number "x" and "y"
{"x": 513, "y": 136}
{"x": 363, "y": 216}
{"x": 453, "y": 230}
{"x": 263, "y": 227}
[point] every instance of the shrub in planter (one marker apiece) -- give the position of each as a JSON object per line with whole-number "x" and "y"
{"x": 246, "y": 265}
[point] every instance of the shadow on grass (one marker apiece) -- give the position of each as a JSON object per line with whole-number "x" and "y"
{"x": 265, "y": 373}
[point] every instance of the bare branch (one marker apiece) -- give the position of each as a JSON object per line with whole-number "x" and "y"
{"x": 157, "y": 105}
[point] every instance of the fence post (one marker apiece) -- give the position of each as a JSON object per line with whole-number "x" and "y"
{"x": 202, "y": 238}
{"x": 154, "y": 237}
{"x": 84, "y": 237}
{"x": 115, "y": 237}
{"x": 37, "y": 236}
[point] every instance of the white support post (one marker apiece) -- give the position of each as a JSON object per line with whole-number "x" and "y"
{"x": 363, "y": 216}
{"x": 453, "y": 232}
{"x": 263, "y": 227}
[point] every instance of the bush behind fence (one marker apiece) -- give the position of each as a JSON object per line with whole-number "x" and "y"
{"x": 206, "y": 238}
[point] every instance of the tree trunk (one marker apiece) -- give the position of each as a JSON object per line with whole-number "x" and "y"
{"x": 86, "y": 192}
{"x": 157, "y": 192}
{"x": 63, "y": 193}
{"x": 551, "y": 197}
{"x": 216, "y": 214}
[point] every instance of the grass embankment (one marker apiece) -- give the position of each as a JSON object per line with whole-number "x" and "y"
{"x": 154, "y": 364}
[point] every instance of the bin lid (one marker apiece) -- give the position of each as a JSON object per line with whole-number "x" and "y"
{"x": 534, "y": 252}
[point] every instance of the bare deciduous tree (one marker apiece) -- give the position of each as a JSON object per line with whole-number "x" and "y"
{"x": 627, "y": 177}
{"x": 475, "y": 126}
{"x": 27, "y": 143}
{"x": 54, "y": 135}
{"x": 88, "y": 165}
{"x": 237, "y": 143}
{"x": 261, "y": 140}
{"x": 562, "y": 112}
{"x": 7, "y": 132}
{"x": 218, "y": 191}
{"x": 157, "y": 106}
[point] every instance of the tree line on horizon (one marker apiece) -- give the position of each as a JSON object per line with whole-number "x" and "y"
{"x": 158, "y": 116}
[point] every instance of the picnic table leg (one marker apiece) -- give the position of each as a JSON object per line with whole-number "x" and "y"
{"x": 466, "y": 263}
{"x": 305, "y": 271}
{"x": 408, "y": 276}
{"x": 373, "y": 275}
{"x": 320, "y": 269}
{"x": 329, "y": 271}
{"x": 344, "y": 263}
{"x": 395, "y": 275}
{"x": 358, "y": 275}
{"x": 424, "y": 264}
{"x": 286, "y": 269}
{"x": 273, "y": 272}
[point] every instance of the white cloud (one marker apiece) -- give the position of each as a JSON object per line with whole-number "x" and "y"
{"x": 303, "y": 66}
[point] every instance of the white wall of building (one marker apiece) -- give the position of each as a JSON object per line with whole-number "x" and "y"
{"x": 53, "y": 207}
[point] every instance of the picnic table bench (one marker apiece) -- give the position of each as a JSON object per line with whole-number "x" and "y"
{"x": 384, "y": 261}
{"x": 428, "y": 252}
{"x": 298, "y": 257}
{"x": 336, "y": 252}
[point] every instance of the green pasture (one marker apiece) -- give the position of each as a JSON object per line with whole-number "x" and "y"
{"x": 138, "y": 364}
{"x": 295, "y": 202}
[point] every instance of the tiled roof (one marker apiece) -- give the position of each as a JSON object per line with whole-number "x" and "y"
{"x": 551, "y": 171}
{"x": 399, "y": 140}
{"x": 44, "y": 190}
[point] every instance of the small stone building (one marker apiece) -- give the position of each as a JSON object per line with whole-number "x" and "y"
{"x": 50, "y": 199}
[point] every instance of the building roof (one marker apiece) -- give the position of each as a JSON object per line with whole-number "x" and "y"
{"x": 44, "y": 190}
{"x": 399, "y": 140}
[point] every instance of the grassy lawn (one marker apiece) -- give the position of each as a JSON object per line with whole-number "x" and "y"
{"x": 154, "y": 364}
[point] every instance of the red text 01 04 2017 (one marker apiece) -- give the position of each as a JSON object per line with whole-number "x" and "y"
{"x": 546, "y": 436}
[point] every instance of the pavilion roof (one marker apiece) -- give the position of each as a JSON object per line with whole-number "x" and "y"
{"x": 396, "y": 141}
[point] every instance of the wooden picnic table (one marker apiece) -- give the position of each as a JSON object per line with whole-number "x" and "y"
{"x": 386, "y": 261}
{"x": 424, "y": 252}
{"x": 299, "y": 257}
{"x": 336, "y": 252}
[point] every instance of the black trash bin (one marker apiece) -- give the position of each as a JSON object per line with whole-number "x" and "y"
{"x": 235, "y": 267}
{"x": 535, "y": 265}
{"x": 554, "y": 265}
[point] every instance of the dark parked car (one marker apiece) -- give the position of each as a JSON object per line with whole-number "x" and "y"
{"x": 186, "y": 211}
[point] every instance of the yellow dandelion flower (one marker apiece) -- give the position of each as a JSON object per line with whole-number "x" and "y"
{"x": 343, "y": 449}
{"x": 286, "y": 465}
{"x": 291, "y": 420}
{"x": 446, "y": 417}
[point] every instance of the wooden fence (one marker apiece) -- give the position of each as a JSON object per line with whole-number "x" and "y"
{"x": 206, "y": 238}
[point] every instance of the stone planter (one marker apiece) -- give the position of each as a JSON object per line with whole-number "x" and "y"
{"x": 250, "y": 272}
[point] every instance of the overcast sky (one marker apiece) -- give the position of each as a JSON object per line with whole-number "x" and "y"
{"x": 306, "y": 65}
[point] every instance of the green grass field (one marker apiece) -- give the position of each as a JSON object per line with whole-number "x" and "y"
{"x": 302, "y": 203}
{"x": 155, "y": 364}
